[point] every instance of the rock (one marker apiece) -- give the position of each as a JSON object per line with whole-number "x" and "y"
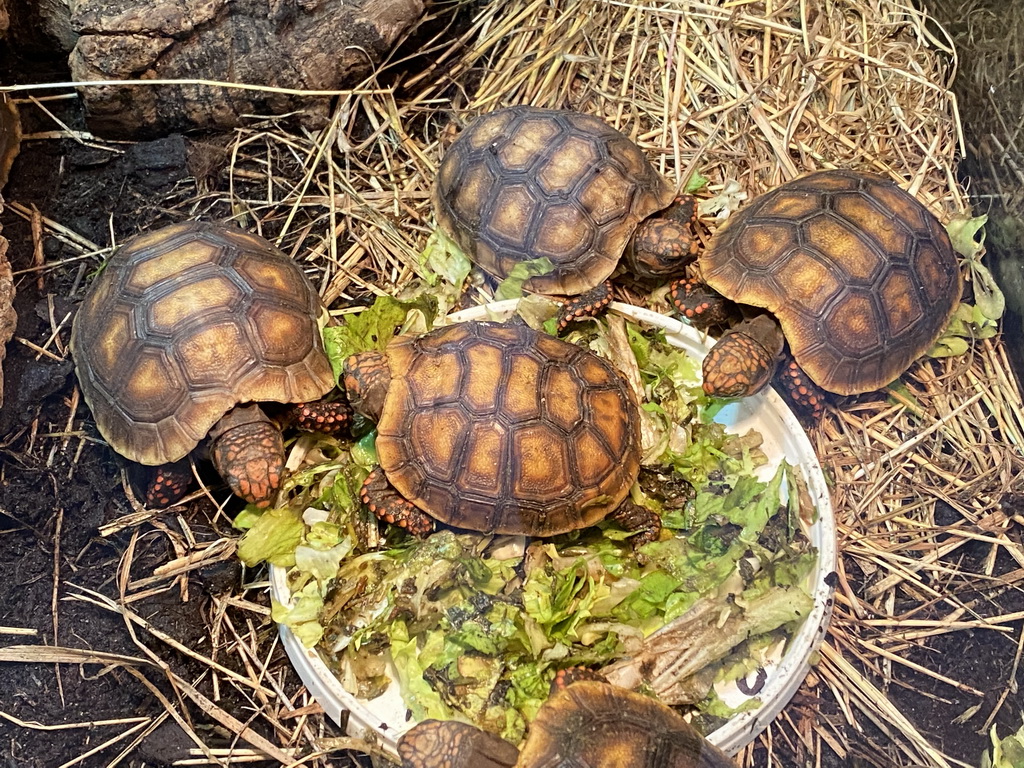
{"x": 39, "y": 29}
{"x": 296, "y": 44}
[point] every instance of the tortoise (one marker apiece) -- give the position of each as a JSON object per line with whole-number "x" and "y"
{"x": 523, "y": 183}
{"x": 499, "y": 428}
{"x": 179, "y": 337}
{"x": 585, "y": 724}
{"x": 860, "y": 276}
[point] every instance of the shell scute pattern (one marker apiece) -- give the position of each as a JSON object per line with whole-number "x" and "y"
{"x": 861, "y": 277}
{"x": 591, "y": 724}
{"x": 523, "y": 183}
{"x": 501, "y": 428}
{"x": 186, "y": 322}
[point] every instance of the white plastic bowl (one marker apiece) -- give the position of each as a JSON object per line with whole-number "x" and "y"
{"x": 383, "y": 720}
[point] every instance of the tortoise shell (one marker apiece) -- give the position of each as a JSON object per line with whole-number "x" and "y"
{"x": 185, "y": 322}
{"x": 590, "y": 724}
{"x": 862, "y": 278}
{"x": 500, "y": 428}
{"x": 524, "y": 183}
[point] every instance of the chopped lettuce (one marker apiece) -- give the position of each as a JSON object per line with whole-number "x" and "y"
{"x": 1007, "y": 752}
{"x": 371, "y": 328}
{"x": 273, "y": 537}
{"x": 512, "y": 286}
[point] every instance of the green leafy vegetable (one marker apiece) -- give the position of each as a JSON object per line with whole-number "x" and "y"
{"x": 272, "y": 537}
{"x": 1007, "y": 752}
{"x": 512, "y": 286}
{"x": 978, "y": 320}
{"x": 372, "y": 328}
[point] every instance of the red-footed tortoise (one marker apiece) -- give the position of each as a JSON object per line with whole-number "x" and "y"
{"x": 860, "y": 276}
{"x": 181, "y": 334}
{"x": 522, "y": 184}
{"x": 585, "y": 724}
{"x": 498, "y": 428}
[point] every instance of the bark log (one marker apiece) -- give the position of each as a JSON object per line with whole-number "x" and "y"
{"x": 306, "y": 44}
{"x": 8, "y": 317}
{"x": 10, "y": 142}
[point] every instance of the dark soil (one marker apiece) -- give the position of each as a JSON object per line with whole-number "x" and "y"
{"x": 53, "y": 500}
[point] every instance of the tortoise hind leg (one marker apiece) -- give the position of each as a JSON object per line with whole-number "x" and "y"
{"x": 381, "y": 498}
{"x": 163, "y": 486}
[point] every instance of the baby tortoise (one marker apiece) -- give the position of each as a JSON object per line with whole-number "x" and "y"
{"x": 499, "y": 428}
{"x": 523, "y": 183}
{"x": 586, "y": 723}
{"x": 860, "y": 276}
{"x": 179, "y": 337}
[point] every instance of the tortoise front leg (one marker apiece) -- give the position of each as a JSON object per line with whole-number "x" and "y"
{"x": 327, "y": 418}
{"x": 807, "y": 396}
{"x": 699, "y": 303}
{"x": 381, "y": 498}
{"x": 588, "y": 304}
{"x": 248, "y": 451}
{"x": 162, "y": 486}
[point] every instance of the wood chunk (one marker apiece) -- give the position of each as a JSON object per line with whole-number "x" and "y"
{"x": 304, "y": 44}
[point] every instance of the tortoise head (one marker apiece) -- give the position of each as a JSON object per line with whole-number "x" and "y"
{"x": 366, "y": 379}
{"x": 743, "y": 361}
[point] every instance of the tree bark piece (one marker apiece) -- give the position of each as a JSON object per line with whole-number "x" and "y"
{"x": 10, "y": 143}
{"x": 304, "y": 44}
{"x": 8, "y": 317}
